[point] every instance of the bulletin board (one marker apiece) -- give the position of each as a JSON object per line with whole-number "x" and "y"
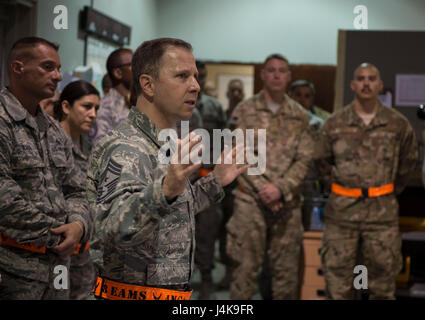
{"x": 97, "y": 54}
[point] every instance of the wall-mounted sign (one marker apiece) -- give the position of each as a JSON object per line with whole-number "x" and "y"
{"x": 100, "y": 25}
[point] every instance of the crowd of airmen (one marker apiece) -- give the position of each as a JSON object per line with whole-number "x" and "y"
{"x": 82, "y": 186}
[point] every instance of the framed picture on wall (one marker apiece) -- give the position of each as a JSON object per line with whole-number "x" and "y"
{"x": 223, "y": 80}
{"x": 220, "y": 74}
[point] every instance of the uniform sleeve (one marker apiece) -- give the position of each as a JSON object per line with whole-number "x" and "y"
{"x": 291, "y": 182}
{"x": 74, "y": 191}
{"x": 323, "y": 155}
{"x": 237, "y": 121}
{"x": 20, "y": 219}
{"x": 206, "y": 192}
{"x": 127, "y": 190}
{"x": 408, "y": 158}
{"x": 104, "y": 120}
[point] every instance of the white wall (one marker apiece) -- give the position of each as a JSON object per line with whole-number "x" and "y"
{"x": 236, "y": 30}
{"x": 303, "y": 30}
{"x": 139, "y": 14}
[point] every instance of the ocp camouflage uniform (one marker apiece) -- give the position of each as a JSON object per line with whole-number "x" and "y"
{"x": 363, "y": 156}
{"x": 145, "y": 240}
{"x": 207, "y": 222}
{"x": 113, "y": 109}
{"x": 253, "y": 227}
{"x": 82, "y": 273}
{"x": 312, "y": 185}
{"x": 38, "y": 191}
{"x": 319, "y": 112}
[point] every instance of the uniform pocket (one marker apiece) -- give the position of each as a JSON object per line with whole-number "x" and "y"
{"x": 28, "y": 172}
{"x": 60, "y": 163}
{"x": 167, "y": 274}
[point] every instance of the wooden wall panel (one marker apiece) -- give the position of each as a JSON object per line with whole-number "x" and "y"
{"x": 322, "y": 76}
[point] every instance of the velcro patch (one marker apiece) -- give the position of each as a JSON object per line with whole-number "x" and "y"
{"x": 108, "y": 180}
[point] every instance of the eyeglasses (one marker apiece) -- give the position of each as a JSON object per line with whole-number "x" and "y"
{"x": 123, "y": 65}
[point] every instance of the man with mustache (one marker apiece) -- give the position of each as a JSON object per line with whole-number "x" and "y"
{"x": 366, "y": 152}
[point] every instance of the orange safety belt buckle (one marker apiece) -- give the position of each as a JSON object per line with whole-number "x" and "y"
{"x": 112, "y": 290}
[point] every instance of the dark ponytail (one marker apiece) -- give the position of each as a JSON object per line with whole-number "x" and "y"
{"x": 73, "y": 91}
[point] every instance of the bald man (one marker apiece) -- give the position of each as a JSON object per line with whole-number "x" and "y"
{"x": 369, "y": 150}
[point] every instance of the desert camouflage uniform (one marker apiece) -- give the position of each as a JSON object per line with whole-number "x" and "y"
{"x": 319, "y": 112}
{"x": 362, "y": 156}
{"x": 38, "y": 191}
{"x": 144, "y": 239}
{"x": 312, "y": 189}
{"x": 113, "y": 108}
{"x": 82, "y": 273}
{"x": 253, "y": 227}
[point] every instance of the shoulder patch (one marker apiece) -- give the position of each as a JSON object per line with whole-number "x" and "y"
{"x": 108, "y": 180}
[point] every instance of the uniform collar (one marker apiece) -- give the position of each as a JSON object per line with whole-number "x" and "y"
{"x": 144, "y": 124}
{"x": 85, "y": 148}
{"x": 18, "y": 113}
{"x": 114, "y": 94}
{"x": 381, "y": 117}
{"x": 263, "y": 105}
{"x": 12, "y": 105}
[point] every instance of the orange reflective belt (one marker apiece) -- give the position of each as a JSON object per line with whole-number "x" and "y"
{"x": 81, "y": 247}
{"x": 112, "y": 290}
{"x": 359, "y": 192}
{"x": 5, "y": 240}
{"x": 203, "y": 172}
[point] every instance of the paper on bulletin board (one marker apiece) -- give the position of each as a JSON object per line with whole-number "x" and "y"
{"x": 410, "y": 90}
{"x": 386, "y": 99}
{"x": 97, "y": 54}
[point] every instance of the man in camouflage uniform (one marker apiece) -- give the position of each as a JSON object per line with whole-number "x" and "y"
{"x": 207, "y": 222}
{"x": 43, "y": 209}
{"x": 369, "y": 150}
{"x": 235, "y": 94}
{"x": 144, "y": 207}
{"x": 303, "y": 92}
{"x": 115, "y": 105}
{"x": 267, "y": 211}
